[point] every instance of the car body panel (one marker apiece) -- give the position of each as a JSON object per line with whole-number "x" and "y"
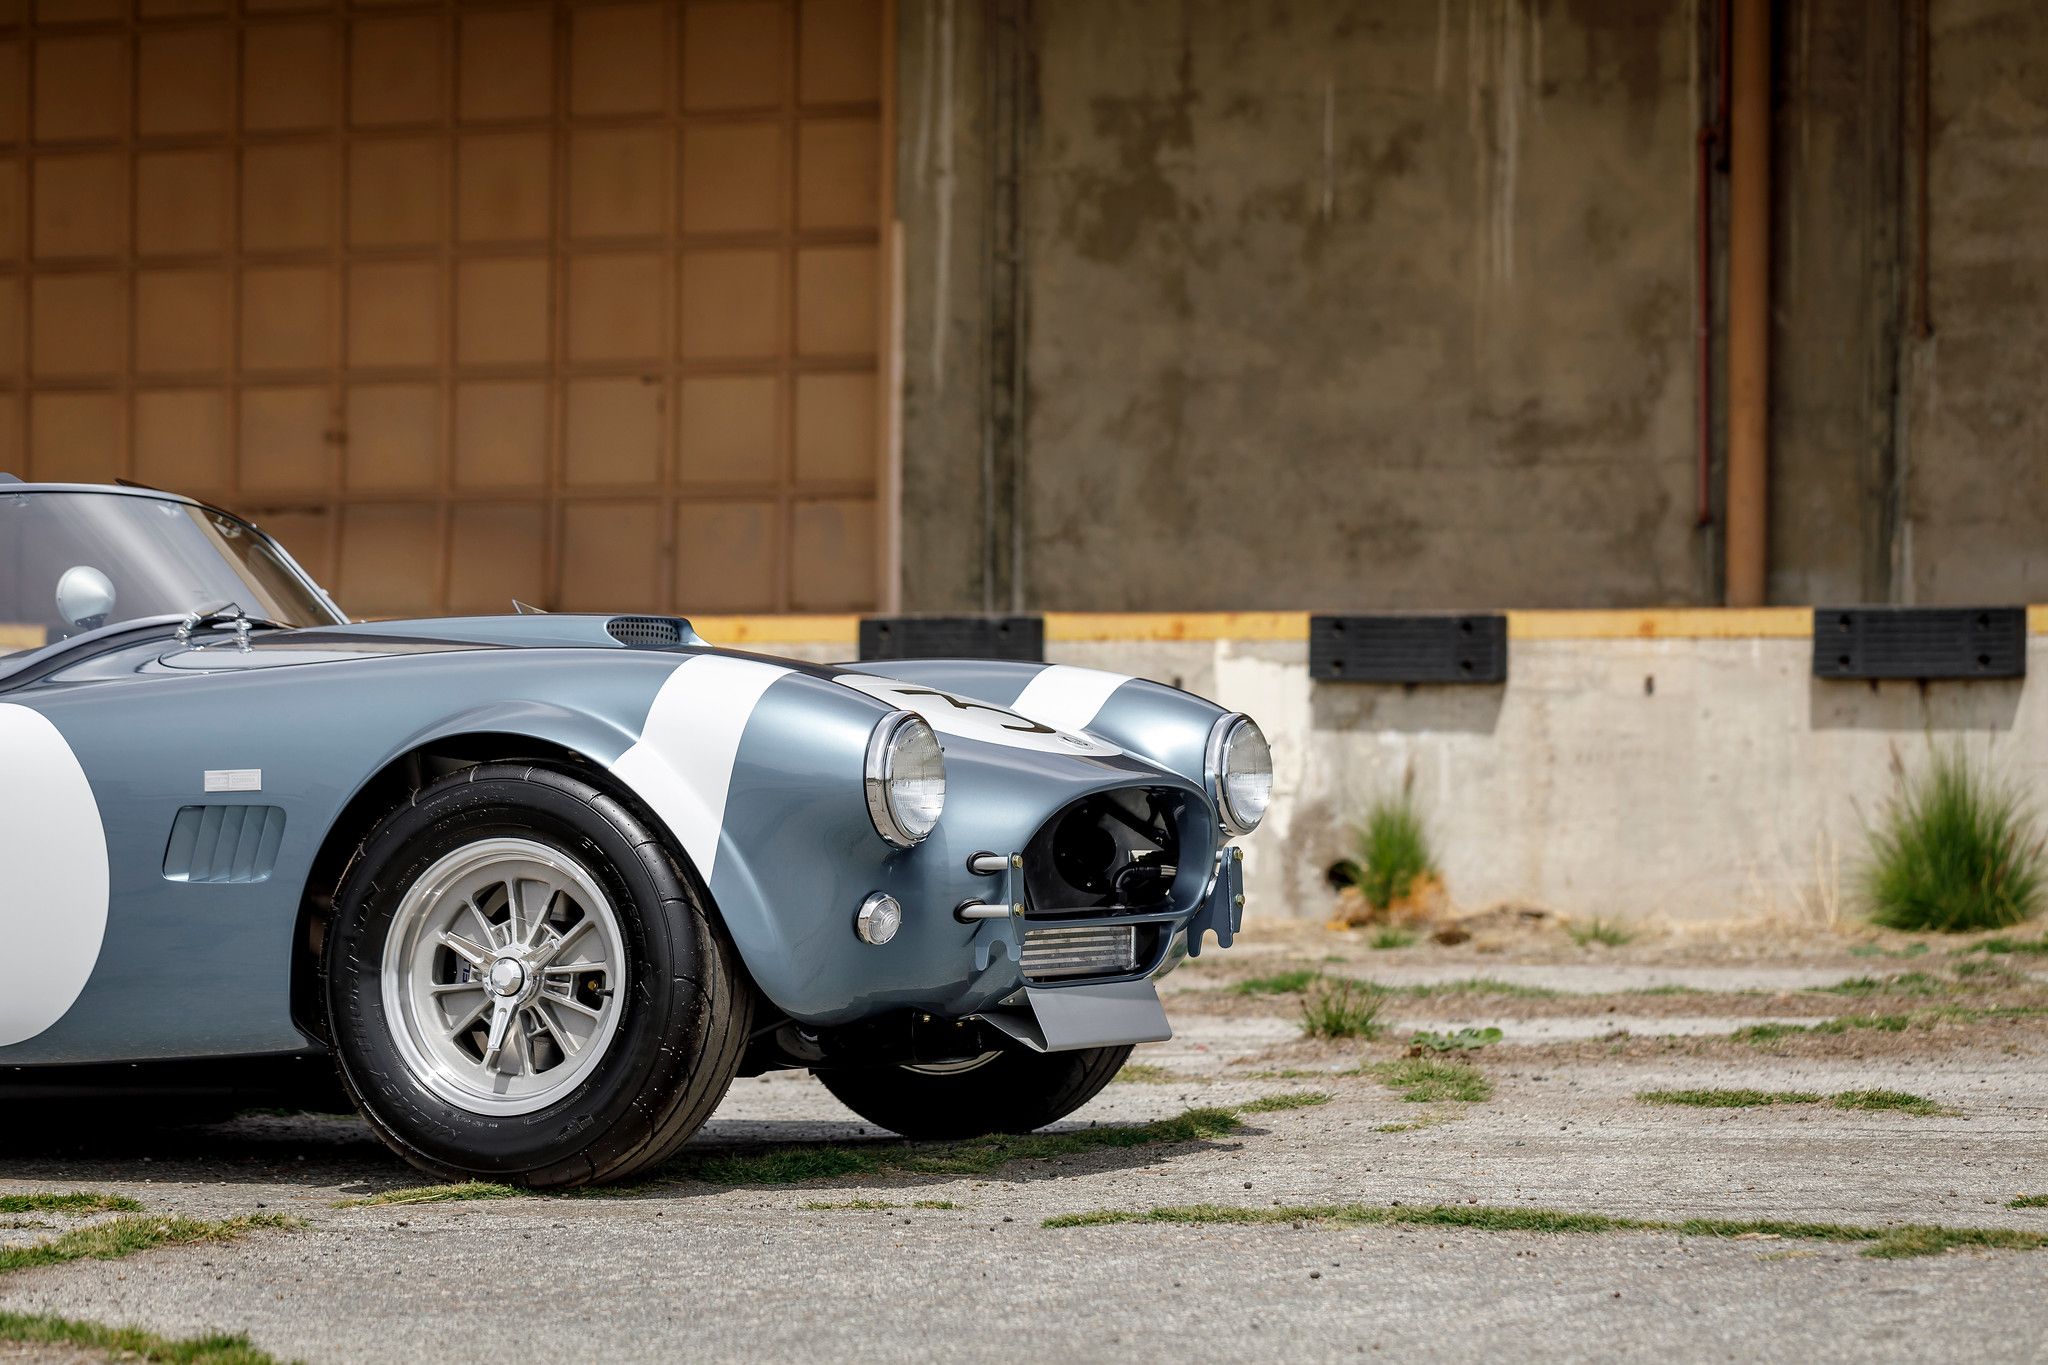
{"x": 751, "y": 767}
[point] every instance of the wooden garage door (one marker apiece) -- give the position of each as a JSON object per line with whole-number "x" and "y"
{"x": 572, "y": 303}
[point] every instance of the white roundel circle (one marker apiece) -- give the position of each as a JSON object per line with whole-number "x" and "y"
{"x": 53, "y": 875}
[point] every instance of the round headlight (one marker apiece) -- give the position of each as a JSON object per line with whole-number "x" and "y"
{"x": 906, "y": 779}
{"x": 1240, "y": 772}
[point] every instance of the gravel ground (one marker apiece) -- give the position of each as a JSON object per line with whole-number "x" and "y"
{"x": 702, "y": 1272}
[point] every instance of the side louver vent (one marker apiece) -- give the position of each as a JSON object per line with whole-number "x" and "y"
{"x": 647, "y": 632}
{"x": 224, "y": 845}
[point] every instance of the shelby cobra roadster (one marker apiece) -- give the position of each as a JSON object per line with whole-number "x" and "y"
{"x": 542, "y": 885}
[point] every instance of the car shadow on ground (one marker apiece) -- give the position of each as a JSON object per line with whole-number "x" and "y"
{"x": 339, "y": 1153}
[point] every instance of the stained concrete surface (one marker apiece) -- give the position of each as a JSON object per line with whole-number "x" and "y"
{"x": 701, "y": 1272}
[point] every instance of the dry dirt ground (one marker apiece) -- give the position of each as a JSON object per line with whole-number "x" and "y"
{"x": 945, "y": 1254}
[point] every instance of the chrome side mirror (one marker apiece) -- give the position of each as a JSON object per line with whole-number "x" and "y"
{"x": 85, "y": 597}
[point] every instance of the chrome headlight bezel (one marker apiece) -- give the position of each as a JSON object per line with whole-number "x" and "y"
{"x": 904, "y": 829}
{"x": 1226, "y": 729}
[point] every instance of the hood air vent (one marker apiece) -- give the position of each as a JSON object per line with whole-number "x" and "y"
{"x": 645, "y": 632}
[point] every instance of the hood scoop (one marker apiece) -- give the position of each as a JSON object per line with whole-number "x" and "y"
{"x": 650, "y": 632}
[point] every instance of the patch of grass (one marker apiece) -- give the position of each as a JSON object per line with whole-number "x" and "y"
{"x": 1480, "y": 985}
{"x": 1464, "y": 1040}
{"x": 467, "y": 1191}
{"x": 1905, "y": 983}
{"x": 1887, "y": 1243}
{"x": 130, "y": 1343}
{"x": 1279, "y": 983}
{"x": 1273, "y": 1104}
{"x": 1764, "y": 1034}
{"x": 130, "y": 1233}
{"x": 2029, "y": 1201}
{"x": 1425, "y": 1080}
{"x": 1393, "y": 852}
{"x": 820, "y": 1206}
{"x": 1728, "y": 1099}
{"x": 1604, "y": 932}
{"x": 975, "y": 1156}
{"x": 1666, "y": 990}
{"x": 1391, "y": 938}
{"x": 1895, "y": 1100}
{"x": 1417, "y": 1123}
{"x": 1145, "y": 1073}
{"x": 68, "y": 1203}
{"x": 2003, "y": 944}
{"x": 1340, "y": 1008}
{"x": 1956, "y": 850}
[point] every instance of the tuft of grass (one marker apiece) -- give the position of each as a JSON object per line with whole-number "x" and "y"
{"x": 1728, "y": 1099}
{"x": 2029, "y": 1201}
{"x": 130, "y": 1233}
{"x": 467, "y": 1191}
{"x": 1464, "y": 1040}
{"x": 1895, "y": 1100}
{"x": 130, "y": 1343}
{"x": 1425, "y": 1080}
{"x": 796, "y": 1164}
{"x": 68, "y": 1203}
{"x": 1955, "y": 850}
{"x": 1273, "y": 1104}
{"x": 1279, "y": 983}
{"x": 1886, "y": 1243}
{"x": 1145, "y": 1073}
{"x": 2004, "y": 944}
{"x": 1393, "y": 852}
{"x": 1391, "y": 938}
{"x": 821, "y": 1206}
{"x": 1341, "y": 1008}
{"x": 1604, "y": 932}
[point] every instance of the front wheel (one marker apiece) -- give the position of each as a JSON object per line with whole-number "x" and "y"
{"x": 1012, "y": 1090}
{"x": 523, "y": 987}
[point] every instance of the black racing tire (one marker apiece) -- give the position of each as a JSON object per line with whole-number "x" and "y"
{"x": 686, "y": 1007}
{"x": 1014, "y": 1091}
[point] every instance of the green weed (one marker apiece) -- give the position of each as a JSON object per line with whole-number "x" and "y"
{"x": 68, "y": 1203}
{"x": 1425, "y": 1080}
{"x": 1464, "y": 1040}
{"x": 1273, "y": 1104}
{"x": 1956, "y": 850}
{"x": 128, "y": 1234}
{"x": 1391, "y": 938}
{"x": 1393, "y": 852}
{"x": 1886, "y": 1243}
{"x": 1597, "y": 930}
{"x": 1279, "y": 983}
{"x": 1341, "y": 1008}
{"x": 130, "y": 1343}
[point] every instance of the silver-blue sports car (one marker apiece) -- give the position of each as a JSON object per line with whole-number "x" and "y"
{"x": 542, "y": 885}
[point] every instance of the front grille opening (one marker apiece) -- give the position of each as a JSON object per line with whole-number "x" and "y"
{"x": 1114, "y": 851}
{"x": 1096, "y": 950}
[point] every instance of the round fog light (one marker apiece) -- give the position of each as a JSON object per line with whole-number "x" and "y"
{"x": 880, "y": 917}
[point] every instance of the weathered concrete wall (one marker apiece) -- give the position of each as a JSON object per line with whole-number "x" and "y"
{"x": 1836, "y": 283}
{"x": 1694, "y": 778}
{"x": 1383, "y": 302}
{"x": 1976, "y": 448}
{"x": 941, "y": 201}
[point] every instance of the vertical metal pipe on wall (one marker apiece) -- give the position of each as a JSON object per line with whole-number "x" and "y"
{"x": 1749, "y": 303}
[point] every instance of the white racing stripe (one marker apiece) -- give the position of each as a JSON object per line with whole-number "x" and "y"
{"x": 682, "y": 765}
{"x": 53, "y": 875}
{"x": 1066, "y": 697}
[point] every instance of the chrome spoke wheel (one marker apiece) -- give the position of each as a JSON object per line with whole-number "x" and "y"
{"x": 503, "y": 973}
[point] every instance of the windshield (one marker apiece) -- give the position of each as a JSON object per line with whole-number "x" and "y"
{"x": 72, "y": 562}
